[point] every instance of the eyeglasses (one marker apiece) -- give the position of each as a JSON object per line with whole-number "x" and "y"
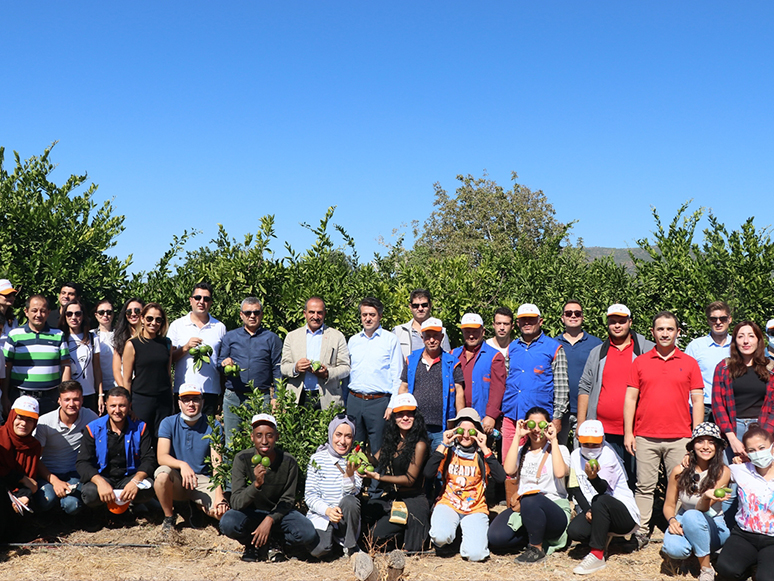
{"x": 343, "y": 416}
{"x": 198, "y": 298}
{"x": 695, "y": 485}
{"x": 158, "y": 320}
{"x": 74, "y": 314}
{"x": 249, "y": 314}
{"x": 718, "y": 319}
{"x": 577, "y": 314}
{"x": 134, "y": 311}
{"x": 419, "y": 305}
{"x": 105, "y": 312}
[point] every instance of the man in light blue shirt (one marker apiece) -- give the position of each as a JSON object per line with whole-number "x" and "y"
{"x": 711, "y": 349}
{"x": 376, "y": 363}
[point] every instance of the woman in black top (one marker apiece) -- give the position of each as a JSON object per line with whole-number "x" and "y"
{"x": 127, "y": 326}
{"x": 147, "y": 364}
{"x": 399, "y": 475}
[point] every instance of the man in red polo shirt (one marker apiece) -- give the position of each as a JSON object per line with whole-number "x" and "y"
{"x": 657, "y": 418}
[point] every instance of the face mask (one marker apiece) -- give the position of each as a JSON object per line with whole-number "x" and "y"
{"x": 190, "y": 418}
{"x": 590, "y": 453}
{"x": 761, "y": 458}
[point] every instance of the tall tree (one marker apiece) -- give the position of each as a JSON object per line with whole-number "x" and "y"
{"x": 482, "y": 213}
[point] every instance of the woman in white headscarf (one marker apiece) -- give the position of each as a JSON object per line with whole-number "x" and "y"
{"x": 332, "y": 485}
{"x": 604, "y": 502}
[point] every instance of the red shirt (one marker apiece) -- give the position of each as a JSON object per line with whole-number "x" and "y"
{"x": 665, "y": 388}
{"x": 615, "y": 379}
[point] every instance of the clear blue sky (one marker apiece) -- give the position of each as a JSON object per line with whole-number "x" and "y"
{"x": 193, "y": 113}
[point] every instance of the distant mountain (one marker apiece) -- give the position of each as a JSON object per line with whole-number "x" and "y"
{"x": 620, "y": 255}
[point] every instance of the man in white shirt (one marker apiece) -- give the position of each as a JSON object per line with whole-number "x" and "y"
{"x": 193, "y": 330}
{"x": 375, "y": 366}
{"x": 59, "y": 433}
{"x": 410, "y": 334}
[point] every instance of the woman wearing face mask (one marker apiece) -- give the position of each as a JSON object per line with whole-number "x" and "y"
{"x": 332, "y": 485}
{"x": 743, "y": 387}
{"x": 698, "y": 527}
{"x": 752, "y": 539}
{"x": 604, "y": 502}
{"x": 127, "y": 326}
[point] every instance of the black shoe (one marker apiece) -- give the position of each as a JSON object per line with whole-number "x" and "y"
{"x": 275, "y": 554}
{"x": 197, "y": 519}
{"x": 253, "y": 554}
{"x": 531, "y": 555}
{"x": 168, "y": 525}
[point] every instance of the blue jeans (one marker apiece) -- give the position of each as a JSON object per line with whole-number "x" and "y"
{"x": 233, "y": 399}
{"x": 296, "y": 528}
{"x": 46, "y": 499}
{"x": 475, "y": 527}
{"x": 701, "y": 536}
{"x": 435, "y": 435}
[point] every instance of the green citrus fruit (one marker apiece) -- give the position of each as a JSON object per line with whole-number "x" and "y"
{"x": 256, "y": 460}
{"x": 266, "y": 461}
{"x": 531, "y": 424}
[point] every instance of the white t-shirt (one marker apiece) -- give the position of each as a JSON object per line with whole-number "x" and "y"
{"x": 82, "y": 360}
{"x": 529, "y": 480}
{"x": 180, "y": 332}
{"x": 106, "y": 359}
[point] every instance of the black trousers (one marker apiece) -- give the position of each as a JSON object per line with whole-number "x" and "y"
{"x": 608, "y": 515}
{"x": 541, "y": 519}
{"x": 151, "y": 409}
{"x": 742, "y": 550}
{"x": 376, "y": 516}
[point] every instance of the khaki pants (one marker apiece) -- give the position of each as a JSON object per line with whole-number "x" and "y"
{"x": 201, "y": 495}
{"x": 650, "y": 452}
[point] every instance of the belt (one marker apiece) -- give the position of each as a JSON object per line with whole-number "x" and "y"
{"x": 36, "y": 391}
{"x": 369, "y": 396}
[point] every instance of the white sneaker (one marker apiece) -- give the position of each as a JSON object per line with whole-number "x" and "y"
{"x": 590, "y": 564}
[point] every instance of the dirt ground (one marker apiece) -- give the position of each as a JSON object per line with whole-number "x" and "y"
{"x": 204, "y": 554}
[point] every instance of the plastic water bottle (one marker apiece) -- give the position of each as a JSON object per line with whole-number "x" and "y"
{"x": 496, "y": 434}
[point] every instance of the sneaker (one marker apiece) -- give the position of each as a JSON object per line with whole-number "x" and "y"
{"x": 531, "y": 555}
{"x": 274, "y": 554}
{"x": 707, "y": 574}
{"x": 642, "y": 540}
{"x": 253, "y": 554}
{"x": 590, "y": 564}
{"x": 168, "y": 525}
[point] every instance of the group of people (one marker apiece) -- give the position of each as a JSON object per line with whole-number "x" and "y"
{"x": 445, "y": 433}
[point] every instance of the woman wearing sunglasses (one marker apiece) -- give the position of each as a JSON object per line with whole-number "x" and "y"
{"x": 147, "y": 368}
{"x": 104, "y": 317}
{"x": 699, "y": 526}
{"x": 84, "y": 347}
{"x": 126, "y": 327}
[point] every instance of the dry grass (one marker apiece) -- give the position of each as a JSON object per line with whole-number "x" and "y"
{"x": 203, "y": 554}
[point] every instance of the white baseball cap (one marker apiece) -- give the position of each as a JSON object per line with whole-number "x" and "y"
{"x": 591, "y": 432}
{"x": 432, "y": 324}
{"x": 268, "y": 418}
{"x": 527, "y": 310}
{"x": 471, "y": 321}
{"x": 403, "y": 402}
{"x": 769, "y": 325}
{"x": 6, "y": 287}
{"x": 190, "y": 389}
{"x": 26, "y": 406}
{"x": 619, "y": 309}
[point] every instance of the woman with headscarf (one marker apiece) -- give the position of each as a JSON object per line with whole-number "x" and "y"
{"x": 604, "y": 502}
{"x": 332, "y": 485}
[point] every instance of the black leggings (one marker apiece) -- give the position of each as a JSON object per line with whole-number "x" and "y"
{"x": 608, "y": 515}
{"x": 541, "y": 519}
{"x": 742, "y": 550}
{"x": 376, "y": 516}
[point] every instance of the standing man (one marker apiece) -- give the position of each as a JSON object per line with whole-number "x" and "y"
{"x": 116, "y": 454}
{"x": 315, "y": 342}
{"x": 68, "y": 292}
{"x": 537, "y": 375}
{"x": 483, "y": 371}
{"x": 37, "y": 359}
{"x": 257, "y": 351}
{"x": 503, "y": 328}
{"x": 193, "y": 330}
{"x": 434, "y": 377}
{"x": 577, "y": 345}
{"x": 711, "y": 349}
{"x": 60, "y": 433}
{"x": 657, "y": 418}
{"x": 602, "y": 387}
{"x": 375, "y": 368}
{"x": 410, "y": 334}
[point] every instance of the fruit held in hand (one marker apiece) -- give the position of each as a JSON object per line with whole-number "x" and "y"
{"x": 472, "y": 432}
{"x": 193, "y": 351}
{"x": 316, "y": 365}
{"x": 369, "y": 468}
{"x": 594, "y": 463}
{"x": 461, "y": 431}
{"x": 361, "y": 470}
{"x": 543, "y": 424}
{"x": 266, "y": 461}
{"x": 256, "y": 459}
{"x": 531, "y": 424}
{"x": 720, "y": 493}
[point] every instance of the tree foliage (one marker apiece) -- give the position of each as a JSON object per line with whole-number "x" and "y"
{"x": 482, "y": 214}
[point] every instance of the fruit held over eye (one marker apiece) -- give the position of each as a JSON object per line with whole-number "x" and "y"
{"x": 461, "y": 431}
{"x": 531, "y": 424}
{"x": 543, "y": 424}
{"x": 472, "y": 432}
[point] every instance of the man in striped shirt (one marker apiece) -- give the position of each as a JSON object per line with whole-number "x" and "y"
{"x": 36, "y": 358}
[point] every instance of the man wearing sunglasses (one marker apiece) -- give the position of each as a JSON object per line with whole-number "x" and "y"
{"x": 257, "y": 353}
{"x": 711, "y": 349}
{"x": 410, "y": 334}
{"x": 68, "y": 292}
{"x": 315, "y": 359}
{"x": 195, "y": 329}
{"x": 577, "y": 345}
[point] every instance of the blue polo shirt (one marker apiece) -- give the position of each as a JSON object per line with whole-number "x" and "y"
{"x": 576, "y": 360}
{"x": 187, "y": 443}
{"x": 708, "y": 354}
